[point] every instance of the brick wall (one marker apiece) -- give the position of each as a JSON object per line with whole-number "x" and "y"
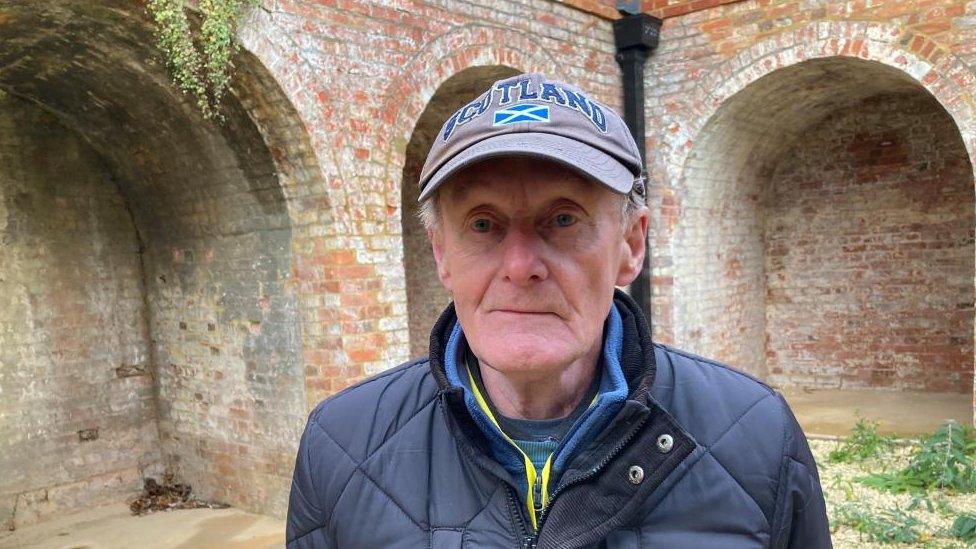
{"x": 280, "y": 257}
{"x": 869, "y": 251}
{"x": 224, "y": 322}
{"x": 730, "y": 91}
{"x": 211, "y": 236}
{"x": 78, "y": 415}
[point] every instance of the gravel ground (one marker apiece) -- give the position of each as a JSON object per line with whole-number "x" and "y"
{"x": 841, "y": 489}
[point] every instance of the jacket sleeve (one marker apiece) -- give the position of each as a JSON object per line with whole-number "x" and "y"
{"x": 322, "y": 470}
{"x": 801, "y": 513}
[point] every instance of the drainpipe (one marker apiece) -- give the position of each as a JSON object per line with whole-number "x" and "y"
{"x": 636, "y": 35}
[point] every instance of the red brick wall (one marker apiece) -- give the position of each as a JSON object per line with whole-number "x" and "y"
{"x": 716, "y": 127}
{"x": 869, "y": 251}
{"x": 284, "y": 230}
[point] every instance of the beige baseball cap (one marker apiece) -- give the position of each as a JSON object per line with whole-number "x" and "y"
{"x": 528, "y": 115}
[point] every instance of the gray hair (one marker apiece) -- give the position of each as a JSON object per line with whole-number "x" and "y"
{"x": 630, "y": 205}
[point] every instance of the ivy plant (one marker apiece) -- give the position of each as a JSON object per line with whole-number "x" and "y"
{"x": 199, "y": 55}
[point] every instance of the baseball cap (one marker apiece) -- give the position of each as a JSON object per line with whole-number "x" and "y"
{"x": 529, "y": 115}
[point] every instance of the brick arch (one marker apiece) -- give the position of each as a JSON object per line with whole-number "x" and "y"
{"x": 209, "y": 251}
{"x": 732, "y": 284}
{"x": 324, "y": 259}
{"x": 287, "y": 107}
{"x": 442, "y": 58}
{"x": 940, "y": 72}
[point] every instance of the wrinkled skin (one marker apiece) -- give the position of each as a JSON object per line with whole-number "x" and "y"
{"x": 530, "y": 252}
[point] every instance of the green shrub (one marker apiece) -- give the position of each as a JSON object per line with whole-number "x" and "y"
{"x": 886, "y": 526}
{"x": 943, "y": 460}
{"x": 199, "y": 57}
{"x": 863, "y": 443}
{"x": 964, "y": 528}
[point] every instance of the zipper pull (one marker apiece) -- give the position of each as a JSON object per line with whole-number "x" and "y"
{"x": 529, "y": 542}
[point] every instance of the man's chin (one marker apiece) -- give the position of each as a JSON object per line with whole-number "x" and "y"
{"x": 524, "y": 353}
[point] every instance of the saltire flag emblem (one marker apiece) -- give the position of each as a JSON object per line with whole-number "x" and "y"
{"x": 522, "y": 112}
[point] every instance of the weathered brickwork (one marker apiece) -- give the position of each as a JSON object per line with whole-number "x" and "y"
{"x": 729, "y": 94}
{"x": 869, "y": 251}
{"x": 78, "y": 416}
{"x": 278, "y": 259}
{"x": 208, "y": 316}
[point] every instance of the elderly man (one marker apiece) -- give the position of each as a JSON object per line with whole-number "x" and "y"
{"x": 545, "y": 416}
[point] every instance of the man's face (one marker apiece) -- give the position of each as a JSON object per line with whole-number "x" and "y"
{"x": 530, "y": 251}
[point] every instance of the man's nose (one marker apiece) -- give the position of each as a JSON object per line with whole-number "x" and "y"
{"x": 522, "y": 258}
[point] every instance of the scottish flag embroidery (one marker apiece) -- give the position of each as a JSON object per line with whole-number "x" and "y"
{"x": 522, "y": 112}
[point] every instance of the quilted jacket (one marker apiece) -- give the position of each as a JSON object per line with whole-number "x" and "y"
{"x": 697, "y": 455}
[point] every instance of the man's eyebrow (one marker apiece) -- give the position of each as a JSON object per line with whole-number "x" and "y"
{"x": 562, "y": 200}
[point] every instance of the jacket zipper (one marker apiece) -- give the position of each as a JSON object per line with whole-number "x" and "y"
{"x": 526, "y": 540}
{"x": 529, "y": 540}
{"x": 603, "y": 463}
{"x": 537, "y": 493}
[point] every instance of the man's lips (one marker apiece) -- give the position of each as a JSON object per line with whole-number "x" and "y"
{"x": 523, "y": 312}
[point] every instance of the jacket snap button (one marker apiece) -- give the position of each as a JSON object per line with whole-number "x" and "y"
{"x": 635, "y": 474}
{"x": 665, "y": 443}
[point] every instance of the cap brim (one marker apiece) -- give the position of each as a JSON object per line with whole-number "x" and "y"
{"x": 588, "y": 160}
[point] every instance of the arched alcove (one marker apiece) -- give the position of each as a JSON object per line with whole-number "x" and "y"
{"x": 826, "y": 233}
{"x": 149, "y": 322}
{"x": 426, "y": 298}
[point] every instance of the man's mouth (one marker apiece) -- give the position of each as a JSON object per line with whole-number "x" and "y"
{"x": 523, "y": 312}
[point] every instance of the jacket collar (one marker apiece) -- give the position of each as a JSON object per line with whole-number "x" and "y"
{"x": 613, "y": 393}
{"x": 637, "y": 365}
{"x": 636, "y": 358}
{"x": 599, "y": 472}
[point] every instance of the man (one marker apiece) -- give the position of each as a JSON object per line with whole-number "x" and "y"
{"x": 545, "y": 416}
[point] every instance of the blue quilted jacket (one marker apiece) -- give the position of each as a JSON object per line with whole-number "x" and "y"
{"x": 697, "y": 455}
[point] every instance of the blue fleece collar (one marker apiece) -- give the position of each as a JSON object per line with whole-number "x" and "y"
{"x": 612, "y": 394}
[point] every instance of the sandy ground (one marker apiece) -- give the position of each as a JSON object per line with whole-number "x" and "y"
{"x": 112, "y": 526}
{"x": 831, "y": 412}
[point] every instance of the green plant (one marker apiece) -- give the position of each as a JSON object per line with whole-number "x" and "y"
{"x": 842, "y": 483}
{"x": 863, "y": 443}
{"x": 943, "y": 460}
{"x": 885, "y": 526}
{"x": 199, "y": 56}
{"x": 964, "y": 528}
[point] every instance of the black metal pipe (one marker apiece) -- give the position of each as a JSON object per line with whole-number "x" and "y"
{"x": 636, "y": 36}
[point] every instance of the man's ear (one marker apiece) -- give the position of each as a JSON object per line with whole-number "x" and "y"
{"x": 633, "y": 248}
{"x": 436, "y": 238}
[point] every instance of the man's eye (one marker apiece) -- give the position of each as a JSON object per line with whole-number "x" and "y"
{"x": 564, "y": 220}
{"x": 481, "y": 225}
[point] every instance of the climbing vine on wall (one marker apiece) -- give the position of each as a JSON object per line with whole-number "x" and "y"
{"x": 199, "y": 56}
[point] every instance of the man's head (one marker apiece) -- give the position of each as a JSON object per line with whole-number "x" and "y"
{"x": 533, "y": 225}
